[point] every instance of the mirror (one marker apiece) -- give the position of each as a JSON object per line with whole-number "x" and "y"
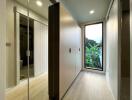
{"x": 38, "y": 84}
{"x": 23, "y": 48}
{"x": 27, "y": 50}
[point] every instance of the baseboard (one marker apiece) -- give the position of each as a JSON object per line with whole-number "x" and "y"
{"x": 94, "y": 71}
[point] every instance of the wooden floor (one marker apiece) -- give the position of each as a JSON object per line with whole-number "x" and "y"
{"x": 38, "y": 89}
{"x": 89, "y": 86}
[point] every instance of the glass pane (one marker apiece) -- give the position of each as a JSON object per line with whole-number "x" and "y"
{"x": 16, "y": 48}
{"x": 38, "y": 46}
{"x": 93, "y": 46}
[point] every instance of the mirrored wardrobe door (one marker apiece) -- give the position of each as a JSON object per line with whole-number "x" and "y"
{"x": 16, "y": 48}
{"x": 38, "y": 46}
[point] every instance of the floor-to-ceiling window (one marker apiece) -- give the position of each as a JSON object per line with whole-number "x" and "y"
{"x": 94, "y": 46}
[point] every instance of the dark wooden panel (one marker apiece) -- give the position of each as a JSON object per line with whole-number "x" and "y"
{"x": 125, "y": 45}
{"x": 53, "y": 54}
{"x": 125, "y": 51}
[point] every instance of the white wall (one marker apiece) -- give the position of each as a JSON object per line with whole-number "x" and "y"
{"x": 70, "y": 37}
{"x": 2, "y": 47}
{"x": 40, "y": 48}
{"x": 112, "y": 70}
{"x": 131, "y": 47}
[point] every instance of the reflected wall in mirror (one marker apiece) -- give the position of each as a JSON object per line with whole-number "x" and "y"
{"x": 23, "y": 47}
{"x": 38, "y": 85}
{"x": 27, "y": 50}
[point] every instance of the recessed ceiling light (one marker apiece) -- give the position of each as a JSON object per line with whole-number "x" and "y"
{"x": 39, "y": 3}
{"x": 92, "y": 12}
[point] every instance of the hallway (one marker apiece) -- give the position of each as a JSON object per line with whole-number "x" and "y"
{"x": 89, "y": 86}
{"x": 61, "y": 50}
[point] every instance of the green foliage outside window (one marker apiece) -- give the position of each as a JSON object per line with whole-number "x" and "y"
{"x": 92, "y": 54}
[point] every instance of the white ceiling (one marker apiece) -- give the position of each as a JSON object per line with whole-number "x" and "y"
{"x": 42, "y": 11}
{"x": 80, "y": 9}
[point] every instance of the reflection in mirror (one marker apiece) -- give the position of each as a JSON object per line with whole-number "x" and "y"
{"x": 27, "y": 29}
{"x": 23, "y": 47}
{"x": 38, "y": 85}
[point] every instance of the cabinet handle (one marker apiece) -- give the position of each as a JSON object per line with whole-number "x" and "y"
{"x": 69, "y": 50}
{"x": 79, "y": 49}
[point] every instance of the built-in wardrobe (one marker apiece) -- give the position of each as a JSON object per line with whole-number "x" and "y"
{"x": 65, "y": 53}
{"x": 26, "y": 50}
{"x": 38, "y": 45}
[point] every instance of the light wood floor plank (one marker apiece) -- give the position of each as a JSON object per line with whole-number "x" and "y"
{"x": 89, "y": 86}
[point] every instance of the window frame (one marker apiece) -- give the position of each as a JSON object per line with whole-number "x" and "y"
{"x": 96, "y": 69}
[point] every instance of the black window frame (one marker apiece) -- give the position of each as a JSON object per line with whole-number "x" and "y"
{"x": 102, "y": 46}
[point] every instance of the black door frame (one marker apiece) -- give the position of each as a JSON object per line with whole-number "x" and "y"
{"x": 53, "y": 51}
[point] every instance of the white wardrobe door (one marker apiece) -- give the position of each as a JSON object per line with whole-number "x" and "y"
{"x": 78, "y": 51}
{"x": 40, "y": 48}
